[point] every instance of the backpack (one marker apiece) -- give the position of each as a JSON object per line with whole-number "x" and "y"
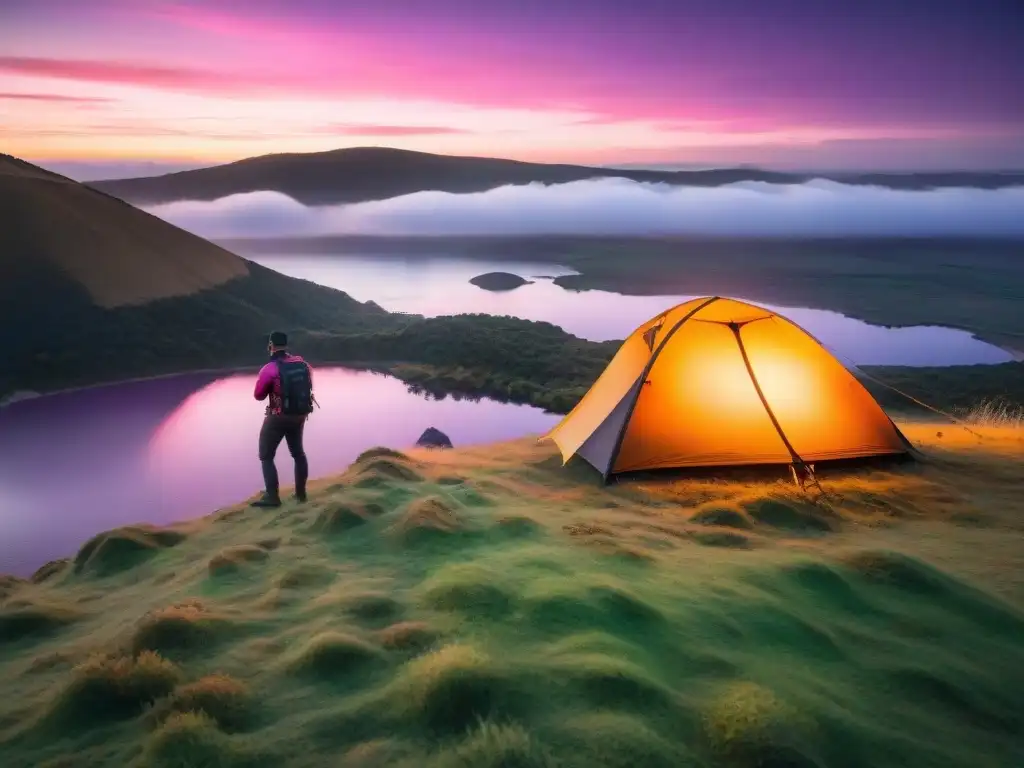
{"x": 296, "y": 387}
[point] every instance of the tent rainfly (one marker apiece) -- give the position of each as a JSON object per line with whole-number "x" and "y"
{"x": 717, "y": 382}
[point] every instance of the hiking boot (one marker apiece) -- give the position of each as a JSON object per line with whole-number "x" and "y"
{"x": 300, "y": 497}
{"x": 267, "y": 500}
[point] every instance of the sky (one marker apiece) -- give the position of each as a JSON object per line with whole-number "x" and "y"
{"x": 124, "y": 87}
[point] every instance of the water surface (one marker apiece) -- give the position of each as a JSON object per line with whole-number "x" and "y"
{"x": 77, "y": 463}
{"x": 434, "y": 286}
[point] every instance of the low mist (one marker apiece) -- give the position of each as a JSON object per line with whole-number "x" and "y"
{"x": 610, "y": 206}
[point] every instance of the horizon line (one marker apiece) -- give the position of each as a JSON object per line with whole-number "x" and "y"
{"x": 667, "y": 166}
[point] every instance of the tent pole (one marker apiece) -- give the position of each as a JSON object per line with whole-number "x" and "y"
{"x": 798, "y": 463}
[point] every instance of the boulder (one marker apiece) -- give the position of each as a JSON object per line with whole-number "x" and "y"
{"x": 434, "y": 438}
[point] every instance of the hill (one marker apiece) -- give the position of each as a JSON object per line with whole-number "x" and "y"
{"x": 120, "y": 256}
{"x": 487, "y": 607}
{"x": 94, "y": 290}
{"x": 370, "y": 173}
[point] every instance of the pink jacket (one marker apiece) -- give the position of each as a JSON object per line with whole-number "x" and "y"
{"x": 268, "y": 383}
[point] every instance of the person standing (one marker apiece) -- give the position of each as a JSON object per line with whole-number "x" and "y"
{"x": 286, "y": 382}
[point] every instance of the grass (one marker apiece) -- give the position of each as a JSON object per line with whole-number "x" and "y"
{"x": 996, "y": 412}
{"x": 506, "y": 611}
{"x": 123, "y": 548}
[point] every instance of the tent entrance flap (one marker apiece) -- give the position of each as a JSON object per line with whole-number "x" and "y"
{"x": 598, "y": 449}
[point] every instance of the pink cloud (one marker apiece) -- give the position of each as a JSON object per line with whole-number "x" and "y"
{"x": 54, "y": 97}
{"x": 352, "y": 129}
{"x": 372, "y": 69}
{"x": 117, "y": 72}
{"x": 353, "y": 76}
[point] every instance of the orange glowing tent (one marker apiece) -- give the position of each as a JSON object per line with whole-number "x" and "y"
{"x": 720, "y": 382}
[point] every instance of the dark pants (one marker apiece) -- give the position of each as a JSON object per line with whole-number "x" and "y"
{"x": 277, "y": 427}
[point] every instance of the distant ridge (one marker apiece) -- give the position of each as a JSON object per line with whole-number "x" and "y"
{"x": 362, "y": 174}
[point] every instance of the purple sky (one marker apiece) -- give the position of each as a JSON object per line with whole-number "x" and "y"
{"x": 788, "y": 83}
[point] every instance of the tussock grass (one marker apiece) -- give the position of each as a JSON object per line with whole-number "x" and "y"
{"x": 112, "y": 688}
{"x": 493, "y": 745}
{"x": 306, "y": 576}
{"x": 123, "y": 548}
{"x": 448, "y": 690}
{"x": 736, "y": 625}
{"x": 518, "y": 527}
{"x": 474, "y": 590}
{"x": 9, "y": 585}
{"x": 426, "y": 520}
{"x": 371, "y": 606}
{"x": 379, "y": 452}
{"x": 226, "y": 701}
{"x": 191, "y": 740}
{"x": 233, "y": 559}
{"x": 330, "y": 655}
{"x": 49, "y": 570}
{"x": 184, "y": 628}
{"x": 31, "y": 619}
{"x": 617, "y": 739}
{"x": 749, "y": 725}
{"x": 728, "y": 516}
{"x": 789, "y": 516}
{"x": 729, "y": 539}
{"x": 336, "y": 519}
{"x": 378, "y": 467}
{"x": 49, "y": 661}
{"x": 408, "y": 635}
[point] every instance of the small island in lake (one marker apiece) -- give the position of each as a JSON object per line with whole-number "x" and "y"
{"x": 499, "y": 281}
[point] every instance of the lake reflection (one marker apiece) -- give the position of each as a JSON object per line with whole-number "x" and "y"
{"x": 440, "y": 286}
{"x": 77, "y": 463}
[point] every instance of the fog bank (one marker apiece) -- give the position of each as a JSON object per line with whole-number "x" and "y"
{"x": 621, "y": 207}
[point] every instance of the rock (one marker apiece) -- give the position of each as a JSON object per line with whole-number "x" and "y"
{"x": 499, "y": 281}
{"x": 434, "y": 438}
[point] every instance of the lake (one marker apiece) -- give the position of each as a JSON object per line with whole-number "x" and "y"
{"x": 77, "y": 463}
{"x": 431, "y": 286}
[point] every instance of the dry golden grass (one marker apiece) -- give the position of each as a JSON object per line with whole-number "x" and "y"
{"x": 489, "y": 607}
{"x": 996, "y": 412}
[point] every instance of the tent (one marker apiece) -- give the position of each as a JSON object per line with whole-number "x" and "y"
{"x": 717, "y": 382}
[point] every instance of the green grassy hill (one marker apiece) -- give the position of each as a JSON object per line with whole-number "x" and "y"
{"x": 487, "y": 608}
{"x": 375, "y": 173}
